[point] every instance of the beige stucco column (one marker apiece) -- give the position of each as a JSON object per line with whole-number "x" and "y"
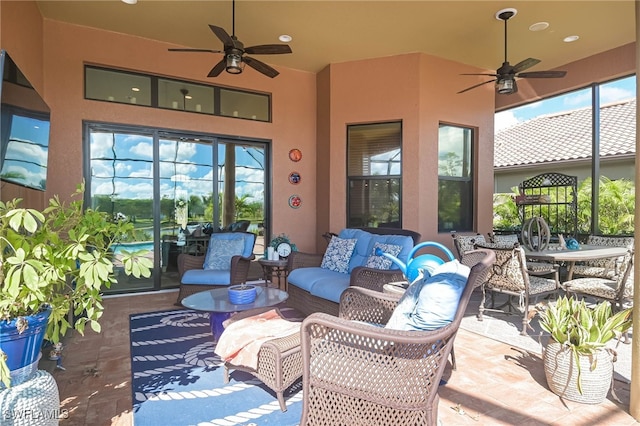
{"x": 634, "y": 406}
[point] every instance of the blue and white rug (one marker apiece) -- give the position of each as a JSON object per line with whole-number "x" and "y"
{"x": 178, "y": 380}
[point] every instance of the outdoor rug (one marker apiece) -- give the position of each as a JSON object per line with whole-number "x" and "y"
{"x": 178, "y": 380}
{"x": 506, "y": 329}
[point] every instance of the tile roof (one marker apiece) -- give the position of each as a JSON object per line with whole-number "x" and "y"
{"x": 567, "y": 136}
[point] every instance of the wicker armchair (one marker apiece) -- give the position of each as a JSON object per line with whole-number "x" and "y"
{"x": 360, "y": 374}
{"x": 236, "y": 274}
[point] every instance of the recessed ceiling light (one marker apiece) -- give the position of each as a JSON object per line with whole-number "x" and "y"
{"x": 539, "y": 26}
{"x": 571, "y": 38}
{"x": 285, "y": 38}
{"x": 130, "y": 1}
{"x": 135, "y": 89}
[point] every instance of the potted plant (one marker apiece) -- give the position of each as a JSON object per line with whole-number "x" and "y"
{"x": 577, "y": 362}
{"x": 52, "y": 263}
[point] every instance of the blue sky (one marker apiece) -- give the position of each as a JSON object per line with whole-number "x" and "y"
{"x": 614, "y": 91}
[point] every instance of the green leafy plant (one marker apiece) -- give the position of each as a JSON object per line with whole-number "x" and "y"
{"x": 59, "y": 259}
{"x": 282, "y": 238}
{"x": 581, "y": 328}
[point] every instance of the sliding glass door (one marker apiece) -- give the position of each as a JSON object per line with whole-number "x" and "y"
{"x": 176, "y": 188}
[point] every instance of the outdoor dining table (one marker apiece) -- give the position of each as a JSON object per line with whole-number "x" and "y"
{"x": 584, "y": 253}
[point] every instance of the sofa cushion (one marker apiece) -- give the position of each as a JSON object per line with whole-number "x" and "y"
{"x": 320, "y": 282}
{"x": 431, "y": 303}
{"x": 338, "y": 254}
{"x": 363, "y": 246}
{"x": 220, "y": 252}
{"x": 382, "y": 262}
{"x": 206, "y": 276}
{"x": 405, "y": 241}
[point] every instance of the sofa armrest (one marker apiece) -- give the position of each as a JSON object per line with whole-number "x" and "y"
{"x": 303, "y": 260}
{"x": 374, "y": 279}
{"x": 189, "y": 261}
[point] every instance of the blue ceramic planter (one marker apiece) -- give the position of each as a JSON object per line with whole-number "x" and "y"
{"x": 23, "y": 349}
{"x": 240, "y": 295}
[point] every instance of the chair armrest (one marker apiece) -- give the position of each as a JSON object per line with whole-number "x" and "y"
{"x": 361, "y": 304}
{"x": 374, "y": 279}
{"x": 303, "y": 260}
{"x": 189, "y": 261}
{"x": 240, "y": 269}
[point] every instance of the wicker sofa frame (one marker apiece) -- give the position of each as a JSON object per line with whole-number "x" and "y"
{"x": 373, "y": 279}
{"x": 357, "y": 373}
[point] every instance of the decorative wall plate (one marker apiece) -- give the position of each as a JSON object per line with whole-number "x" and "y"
{"x": 294, "y": 178}
{"x": 295, "y": 155}
{"x": 295, "y": 201}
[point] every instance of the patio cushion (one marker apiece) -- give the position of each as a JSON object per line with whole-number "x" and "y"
{"x": 220, "y": 252}
{"x": 362, "y": 249}
{"x": 405, "y": 241}
{"x": 381, "y": 262}
{"x": 320, "y": 282}
{"x": 338, "y": 254}
{"x": 206, "y": 276}
{"x": 431, "y": 303}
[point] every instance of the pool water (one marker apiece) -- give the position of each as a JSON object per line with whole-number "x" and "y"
{"x": 131, "y": 247}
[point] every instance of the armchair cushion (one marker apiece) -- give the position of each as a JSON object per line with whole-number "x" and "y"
{"x": 431, "y": 303}
{"x": 381, "y": 262}
{"x": 338, "y": 254}
{"x": 220, "y": 252}
{"x": 207, "y": 276}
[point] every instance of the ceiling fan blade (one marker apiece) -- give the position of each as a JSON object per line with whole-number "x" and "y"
{"x": 268, "y": 49}
{"x": 542, "y": 74}
{"x": 477, "y": 85}
{"x": 196, "y": 50}
{"x": 490, "y": 75}
{"x": 260, "y": 66}
{"x": 224, "y": 37}
{"x": 215, "y": 71}
{"x": 523, "y": 65}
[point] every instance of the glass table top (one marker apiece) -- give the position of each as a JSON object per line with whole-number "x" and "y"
{"x": 217, "y": 300}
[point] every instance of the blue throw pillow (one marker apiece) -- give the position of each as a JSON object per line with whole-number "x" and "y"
{"x": 381, "y": 262}
{"x": 431, "y": 303}
{"x": 221, "y": 251}
{"x": 337, "y": 256}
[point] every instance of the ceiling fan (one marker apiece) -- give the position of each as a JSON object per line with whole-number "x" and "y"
{"x": 505, "y": 76}
{"x": 234, "y": 52}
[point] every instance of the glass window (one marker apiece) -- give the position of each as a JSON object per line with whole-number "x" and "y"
{"x": 184, "y": 96}
{"x": 133, "y": 88}
{"x": 117, "y": 86}
{"x": 235, "y": 103}
{"x": 374, "y": 154}
{"x": 455, "y": 179}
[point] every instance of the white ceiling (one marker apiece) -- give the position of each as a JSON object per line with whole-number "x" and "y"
{"x": 327, "y": 32}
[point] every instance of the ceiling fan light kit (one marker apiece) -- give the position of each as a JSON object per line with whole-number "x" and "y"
{"x": 505, "y": 76}
{"x": 234, "y": 51}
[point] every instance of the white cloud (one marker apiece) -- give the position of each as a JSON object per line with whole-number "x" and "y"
{"x": 503, "y": 120}
{"x": 580, "y": 99}
{"x": 610, "y": 94}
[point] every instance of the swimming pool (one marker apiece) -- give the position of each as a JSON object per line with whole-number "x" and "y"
{"x": 131, "y": 247}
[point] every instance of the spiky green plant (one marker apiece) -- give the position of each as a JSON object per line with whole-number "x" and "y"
{"x": 581, "y": 328}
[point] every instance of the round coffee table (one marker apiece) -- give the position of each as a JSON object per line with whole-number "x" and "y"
{"x": 216, "y": 302}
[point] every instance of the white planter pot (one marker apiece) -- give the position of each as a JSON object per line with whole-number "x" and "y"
{"x": 561, "y": 370}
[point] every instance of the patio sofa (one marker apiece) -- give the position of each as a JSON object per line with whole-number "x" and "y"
{"x": 313, "y": 288}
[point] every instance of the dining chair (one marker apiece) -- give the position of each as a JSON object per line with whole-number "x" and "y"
{"x": 602, "y": 268}
{"x": 503, "y": 238}
{"x": 465, "y": 243}
{"x": 617, "y": 290}
{"x": 509, "y": 275}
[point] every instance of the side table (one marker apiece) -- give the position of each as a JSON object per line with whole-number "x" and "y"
{"x": 277, "y": 268}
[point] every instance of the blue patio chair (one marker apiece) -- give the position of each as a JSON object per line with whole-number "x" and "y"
{"x": 226, "y": 262}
